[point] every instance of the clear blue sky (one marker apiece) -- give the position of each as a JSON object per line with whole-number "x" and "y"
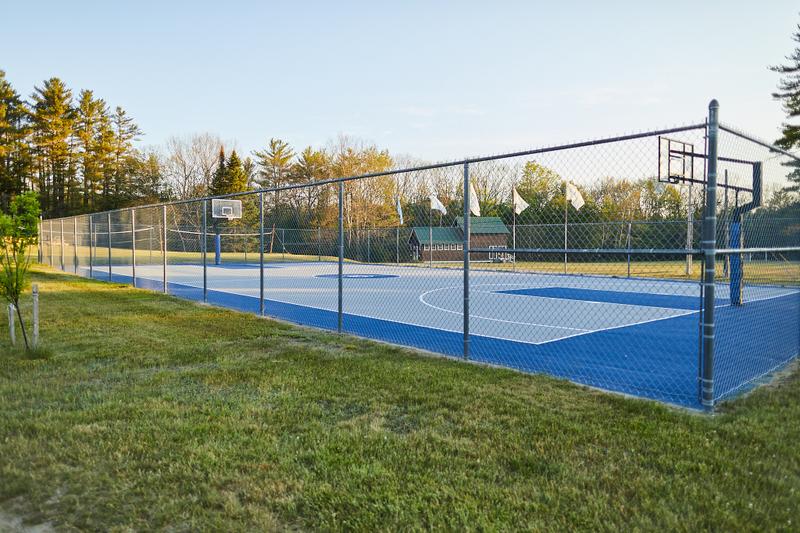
{"x": 437, "y": 80}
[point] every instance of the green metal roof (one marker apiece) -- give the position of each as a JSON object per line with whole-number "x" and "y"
{"x": 447, "y": 235}
{"x": 484, "y": 225}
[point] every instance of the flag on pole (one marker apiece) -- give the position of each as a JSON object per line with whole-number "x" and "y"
{"x": 474, "y": 206}
{"x": 520, "y": 204}
{"x": 436, "y": 205}
{"x": 399, "y": 209}
{"x": 574, "y": 196}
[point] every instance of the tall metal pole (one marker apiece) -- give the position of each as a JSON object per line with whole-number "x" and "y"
{"x": 164, "y": 240}
{"x": 341, "y": 254}
{"x": 108, "y": 221}
{"x": 513, "y": 233}
{"x": 689, "y": 232}
{"x": 466, "y": 261}
{"x": 261, "y": 254}
{"x": 319, "y": 244}
{"x": 75, "y": 244}
{"x": 726, "y": 264}
{"x": 430, "y": 238}
{"x": 50, "y": 240}
{"x": 628, "y": 244}
{"x": 709, "y": 253}
{"x": 62, "y": 244}
{"x": 41, "y": 244}
{"x": 91, "y": 245}
{"x": 203, "y": 248}
{"x": 133, "y": 246}
{"x": 397, "y": 245}
{"x": 566, "y": 218}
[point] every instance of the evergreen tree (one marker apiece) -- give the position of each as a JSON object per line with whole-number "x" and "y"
{"x": 89, "y": 114}
{"x": 125, "y": 132}
{"x": 235, "y": 176}
{"x": 15, "y": 156}
{"x": 218, "y": 182}
{"x": 789, "y": 94}
{"x": 53, "y": 120}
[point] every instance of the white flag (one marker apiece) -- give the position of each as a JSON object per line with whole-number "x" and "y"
{"x": 574, "y": 196}
{"x": 520, "y": 204}
{"x": 399, "y": 209}
{"x": 474, "y": 206}
{"x": 436, "y": 205}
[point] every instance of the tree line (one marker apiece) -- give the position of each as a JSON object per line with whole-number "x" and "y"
{"x": 80, "y": 155}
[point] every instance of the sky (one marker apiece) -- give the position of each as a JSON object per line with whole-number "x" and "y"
{"x": 434, "y": 80}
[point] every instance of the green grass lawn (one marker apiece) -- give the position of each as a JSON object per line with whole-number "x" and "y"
{"x": 147, "y": 412}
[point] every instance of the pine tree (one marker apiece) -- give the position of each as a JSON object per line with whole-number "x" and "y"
{"x": 125, "y": 132}
{"x": 218, "y": 181}
{"x": 789, "y": 94}
{"x": 53, "y": 119}
{"x": 89, "y": 114}
{"x": 235, "y": 176}
{"x": 15, "y": 157}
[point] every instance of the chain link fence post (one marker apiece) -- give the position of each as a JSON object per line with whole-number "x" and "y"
{"x": 466, "y": 260}
{"x": 91, "y": 244}
{"x": 203, "y": 250}
{"x": 108, "y": 221}
{"x": 261, "y": 254}
{"x": 709, "y": 260}
{"x": 75, "y": 244}
{"x": 133, "y": 247}
{"x": 164, "y": 254}
{"x": 341, "y": 256}
{"x": 62, "y": 245}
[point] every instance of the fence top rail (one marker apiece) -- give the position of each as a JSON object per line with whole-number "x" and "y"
{"x": 765, "y": 144}
{"x": 432, "y": 166}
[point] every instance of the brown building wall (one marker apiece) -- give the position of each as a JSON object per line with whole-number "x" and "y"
{"x": 476, "y": 241}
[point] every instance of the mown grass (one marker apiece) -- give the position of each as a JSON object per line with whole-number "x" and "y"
{"x": 146, "y": 412}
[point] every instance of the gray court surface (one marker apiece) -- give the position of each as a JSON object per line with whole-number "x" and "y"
{"x": 545, "y": 307}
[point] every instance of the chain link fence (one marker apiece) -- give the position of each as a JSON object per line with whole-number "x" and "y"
{"x": 663, "y": 264}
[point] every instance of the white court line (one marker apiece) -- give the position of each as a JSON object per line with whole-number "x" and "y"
{"x": 422, "y": 299}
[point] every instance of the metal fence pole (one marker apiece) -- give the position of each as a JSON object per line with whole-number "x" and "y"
{"x": 261, "y": 254}
{"x": 629, "y": 248}
{"x": 203, "y": 247}
{"x": 133, "y": 246}
{"x": 75, "y": 244}
{"x": 397, "y": 245}
{"x": 341, "y": 254}
{"x": 62, "y": 244}
{"x": 709, "y": 252}
{"x": 108, "y": 220}
{"x": 50, "y": 241}
{"x": 689, "y": 233}
{"x": 466, "y": 260}
{"x": 164, "y": 254}
{"x": 319, "y": 243}
{"x": 91, "y": 244}
{"x": 40, "y": 251}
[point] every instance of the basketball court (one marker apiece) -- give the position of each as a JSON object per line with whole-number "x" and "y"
{"x": 631, "y": 335}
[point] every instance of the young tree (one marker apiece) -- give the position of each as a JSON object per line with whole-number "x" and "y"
{"x": 788, "y": 94}
{"x": 18, "y": 233}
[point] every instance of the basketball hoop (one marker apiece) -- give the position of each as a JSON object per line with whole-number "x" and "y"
{"x": 227, "y": 209}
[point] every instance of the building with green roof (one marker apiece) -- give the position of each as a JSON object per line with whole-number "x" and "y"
{"x": 447, "y": 243}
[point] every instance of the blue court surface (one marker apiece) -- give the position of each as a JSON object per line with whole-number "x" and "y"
{"x": 630, "y": 335}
